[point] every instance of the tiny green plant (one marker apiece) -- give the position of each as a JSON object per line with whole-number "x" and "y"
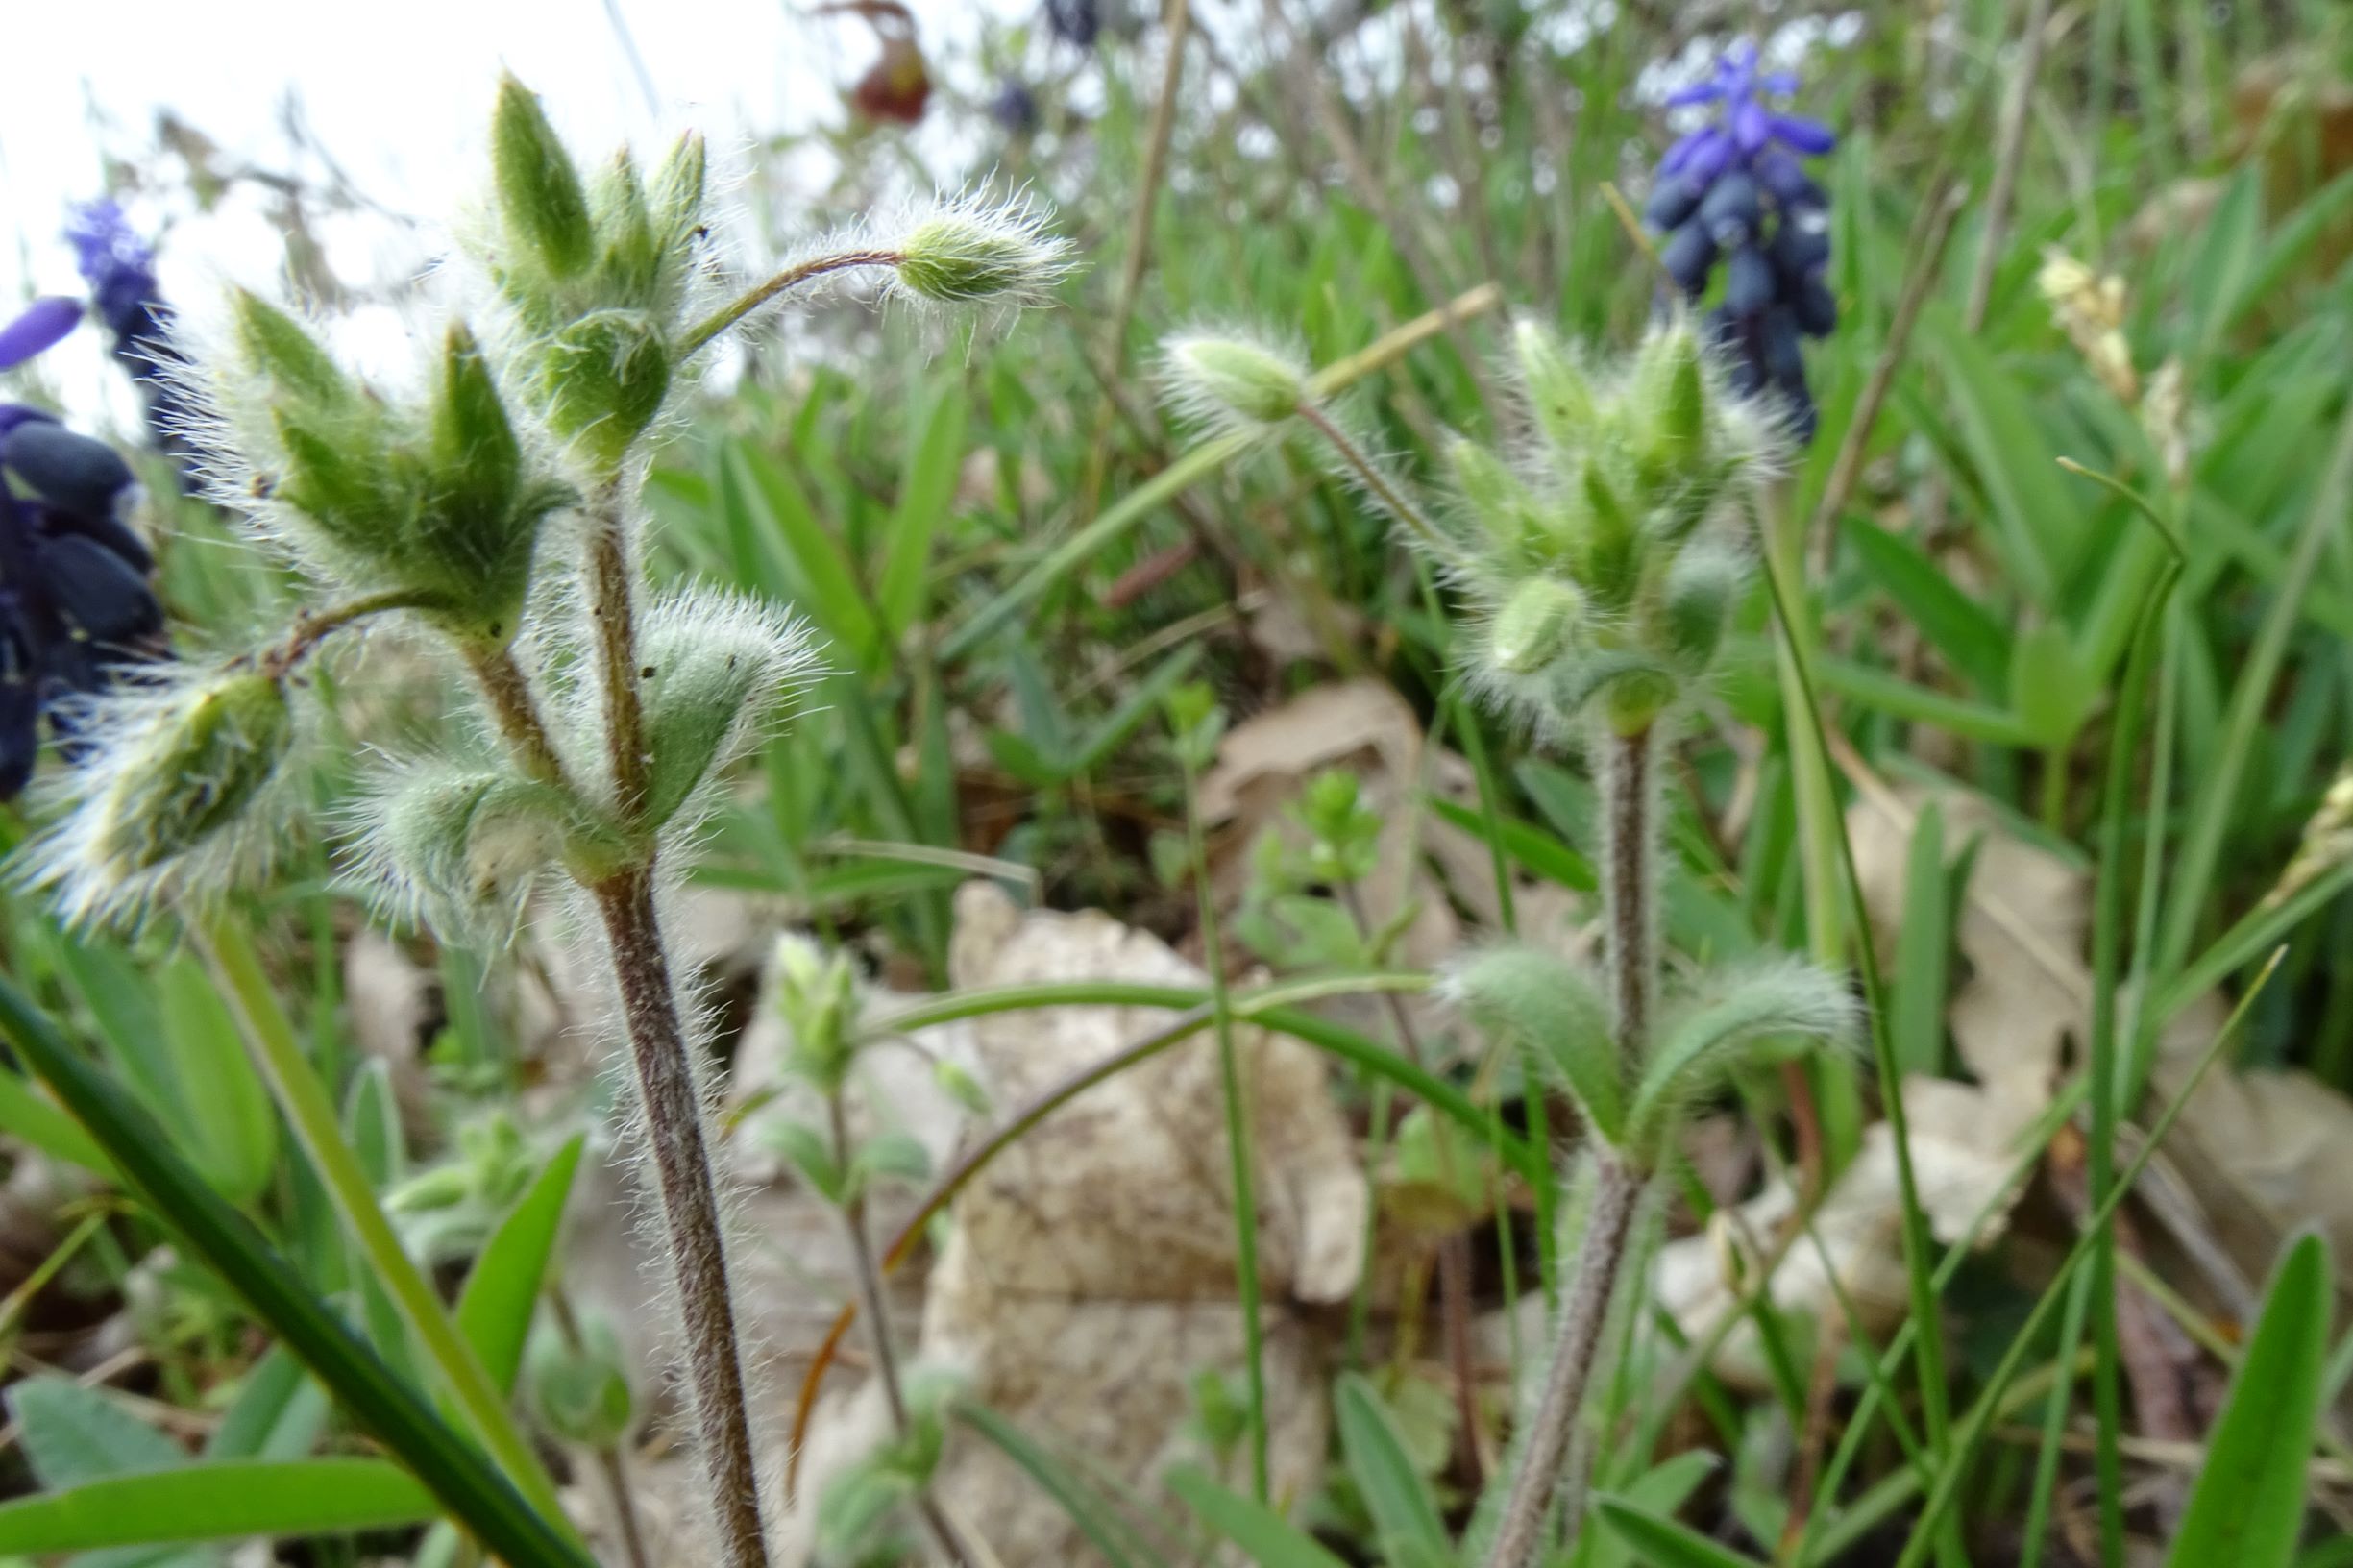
{"x": 490, "y": 508}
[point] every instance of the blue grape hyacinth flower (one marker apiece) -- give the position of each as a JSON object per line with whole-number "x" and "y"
{"x": 1732, "y": 192}
{"x": 120, "y": 268}
{"x": 75, "y": 604}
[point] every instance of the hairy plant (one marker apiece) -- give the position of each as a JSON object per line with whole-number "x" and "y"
{"x": 491, "y": 509}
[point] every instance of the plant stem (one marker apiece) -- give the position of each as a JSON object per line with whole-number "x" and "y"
{"x": 1609, "y": 1226}
{"x": 1383, "y": 489}
{"x": 512, "y": 707}
{"x": 1553, "y": 1463}
{"x": 1237, "y": 1136}
{"x": 791, "y": 278}
{"x": 689, "y": 1210}
{"x": 665, "y": 1069}
{"x": 876, "y": 1308}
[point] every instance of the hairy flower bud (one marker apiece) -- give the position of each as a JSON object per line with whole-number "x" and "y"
{"x": 457, "y": 846}
{"x": 970, "y": 251}
{"x": 1560, "y": 396}
{"x": 721, "y": 670}
{"x": 817, "y": 997}
{"x": 1533, "y": 624}
{"x": 1234, "y": 380}
{"x": 538, "y": 187}
{"x": 580, "y": 1389}
{"x": 603, "y": 379}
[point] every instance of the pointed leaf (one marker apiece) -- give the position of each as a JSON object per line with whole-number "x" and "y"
{"x": 1403, "y": 1512}
{"x": 495, "y": 1311}
{"x": 1267, "y": 1539}
{"x": 216, "y": 1502}
{"x": 1697, "y": 1039}
{"x": 2247, "y": 1507}
{"x": 1662, "y": 1542}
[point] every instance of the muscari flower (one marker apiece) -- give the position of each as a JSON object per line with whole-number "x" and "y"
{"x": 1733, "y": 190}
{"x": 75, "y": 604}
{"x": 1074, "y": 21}
{"x": 120, "y": 269}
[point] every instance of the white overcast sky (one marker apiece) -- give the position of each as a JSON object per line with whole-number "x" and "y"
{"x": 398, "y": 94}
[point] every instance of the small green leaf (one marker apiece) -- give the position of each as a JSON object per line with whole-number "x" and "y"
{"x": 538, "y": 186}
{"x": 2247, "y": 1507}
{"x": 235, "y": 1124}
{"x": 495, "y": 1311}
{"x": 1551, "y": 1006}
{"x": 1267, "y": 1538}
{"x": 277, "y": 1414}
{"x": 811, "y": 1152}
{"x": 1405, "y": 1513}
{"x": 1922, "y": 950}
{"x": 27, "y": 1115}
{"x": 74, "y": 1435}
{"x": 1657, "y": 1491}
{"x": 2050, "y": 691}
{"x": 1662, "y": 1542}
{"x": 926, "y": 494}
{"x": 1695, "y": 1040}
{"x": 1096, "y": 1519}
{"x": 216, "y": 1503}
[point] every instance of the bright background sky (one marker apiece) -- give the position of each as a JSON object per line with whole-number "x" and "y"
{"x": 398, "y": 95}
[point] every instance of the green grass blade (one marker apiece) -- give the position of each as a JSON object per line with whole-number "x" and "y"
{"x": 926, "y": 493}
{"x": 470, "y": 1489}
{"x": 218, "y": 1502}
{"x": 2247, "y": 1507}
{"x": 1662, "y": 1541}
{"x": 1096, "y": 1519}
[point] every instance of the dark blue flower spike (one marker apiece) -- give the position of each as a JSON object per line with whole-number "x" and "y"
{"x": 1733, "y": 191}
{"x": 75, "y": 604}
{"x": 120, "y": 268}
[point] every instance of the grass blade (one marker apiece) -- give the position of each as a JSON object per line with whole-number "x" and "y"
{"x": 217, "y": 1501}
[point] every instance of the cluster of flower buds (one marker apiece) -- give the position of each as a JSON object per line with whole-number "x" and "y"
{"x": 1733, "y": 192}
{"x": 75, "y": 604}
{"x": 1597, "y": 557}
{"x": 1074, "y": 21}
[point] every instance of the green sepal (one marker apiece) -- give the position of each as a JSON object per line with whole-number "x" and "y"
{"x": 276, "y": 344}
{"x": 602, "y": 380}
{"x": 539, "y": 190}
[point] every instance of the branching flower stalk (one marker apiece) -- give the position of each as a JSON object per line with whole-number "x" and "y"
{"x": 1601, "y": 561}
{"x": 433, "y": 509}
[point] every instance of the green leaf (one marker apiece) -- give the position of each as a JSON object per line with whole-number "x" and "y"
{"x": 1662, "y": 1542}
{"x": 1138, "y": 704}
{"x": 1089, "y": 1509}
{"x": 1405, "y": 1515}
{"x": 2035, "y": 527}
{"x": 1954, "y": 715}
{"x": 372, "y": 1123}
{"x": 277, "y": 1414}
{"x": 1553, "y": 1008}
{"x": 216, "y": 1502}
{"x": 229, "y": 1108}
{"x": 926, "y": 493}
{"x": 27, "y": 1115}
{"x": 2247, "y": 1507}
{"x": 1963, "y": 630}
{"x": 452, "y": 1469}
{"x": 2049, "y": 690}
{"x": 1742, "y": 1009}
{"x": 2224, "y": 259}
{"x": 74, "y": 1435}
{"x": 1266, "y": 1538}
{"x": 773, "y": 507}
{"x": 493, "y": 1311}
{"x": 1657, "y": 1491}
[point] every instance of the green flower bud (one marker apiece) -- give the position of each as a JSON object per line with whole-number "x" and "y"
{"x": 477, "y": 528}
{"x": 603, "y": 379}
{"x": 817, "y": 997}
{"x": 968, "y": 251}
{"x": 1559, "y": 394}
{"x": 1234, "y": 380}
{"x": 203, "y": 760}
{"x": 1534, "y": 624}
{"x": 580, "y": 1392}
{"x": 457, "y": 846}
{"x": 632, "y": 248}
{"x": 676, "y": 198}
{"x": 539, "y": 190}
{"x": 1669, "y": 402}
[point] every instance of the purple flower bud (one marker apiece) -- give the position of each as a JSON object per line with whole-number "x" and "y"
{"x": 1749, "y": 284}
{"x": 1801, "y": 243}
{"x": 1811, "y": 138}
{"x": 96, "y": 591}
{"x": 1816, "y": 308}
{"x": 75, "y": 471}
{"x": 43, "y": 323}
{"x": 1673, "y": 200}
{"x": 1751, "y": 126}
{"x": 1786, "y": 181}
{"x": 1777, "y": 345}
{"x": 1688, "y": 256}
{"x": 1730, "y": 211}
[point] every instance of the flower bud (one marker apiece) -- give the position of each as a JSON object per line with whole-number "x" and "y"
{"x": 1559, "y": 394}
{"x": 204, "y": 759}
{"x": 720, "y": 670}
{"x": 1669, "y": 397}
{"x": 631, "y": 247}
{"x": 603, "y": 379}
{"x": 539, "y": 190}
{"x": 476, "y": 525}
{"x": 817, "y": 997}
{"x": 675, "y": 201}
{"x": 1234, "y": 379}
{"x": 457, "y": 846}
{"x": 968, "y": 252}
{"x": 1533, "y": 624}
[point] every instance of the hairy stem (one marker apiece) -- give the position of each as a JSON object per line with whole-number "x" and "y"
{"x": 1384, "y": 489}
{"x": 1553, "y": 1462}
{"x": 783, "y": 283}
{"x": 612, "y": 606}
{"x": 689, "y": 1210}
{"x": 1541, "y": 1476}
{"x": 516, "y": 712}
{"x": 876, "y": 1308}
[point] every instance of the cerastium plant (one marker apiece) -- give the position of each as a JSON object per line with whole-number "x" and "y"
{"x": 1602, "y": 561}
{"x": 494, "y": 511}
